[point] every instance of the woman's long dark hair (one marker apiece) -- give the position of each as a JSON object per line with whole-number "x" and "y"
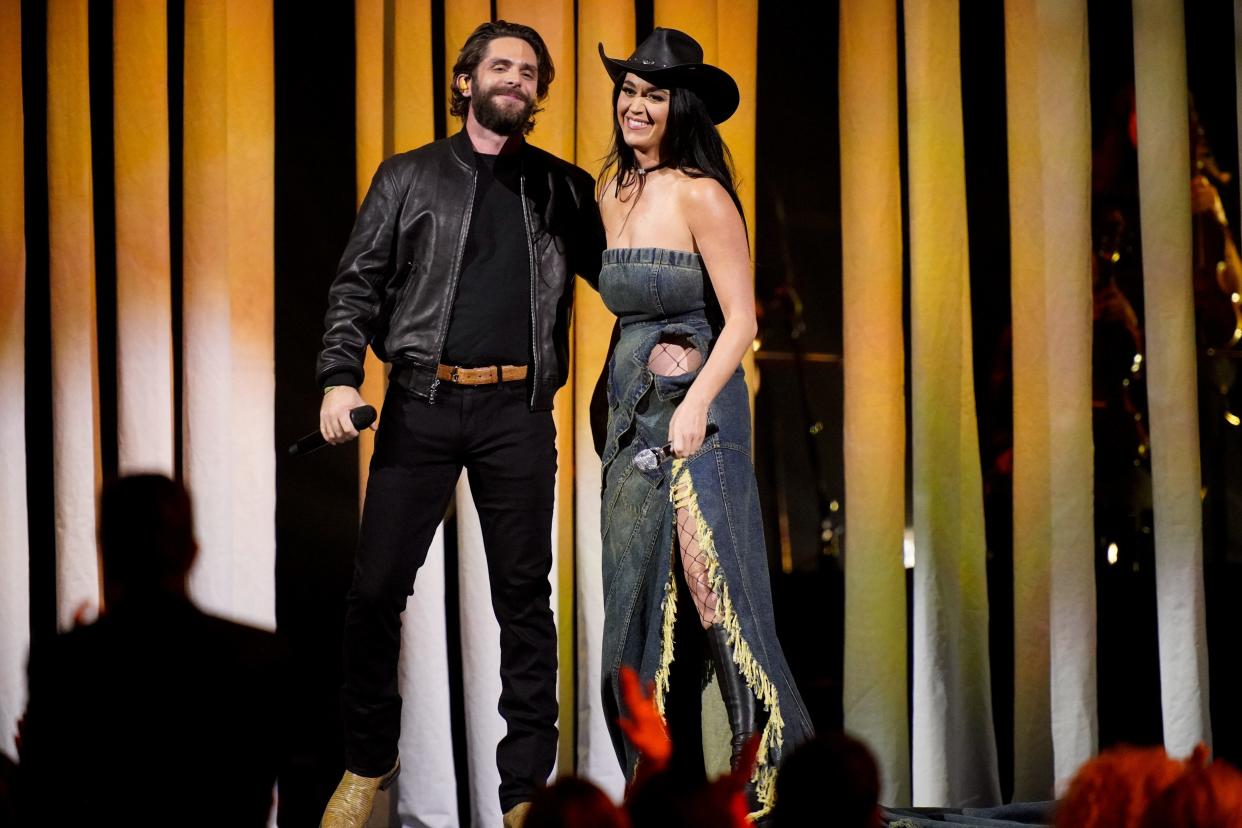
{"x": 692, "y": 144}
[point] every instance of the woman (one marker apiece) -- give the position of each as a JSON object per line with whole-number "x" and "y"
{"x": 677, "y": 274}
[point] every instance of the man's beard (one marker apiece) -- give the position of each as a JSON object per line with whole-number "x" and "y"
{"x": 500, "y": 119}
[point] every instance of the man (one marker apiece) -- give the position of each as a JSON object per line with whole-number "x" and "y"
{"x": 459, "y": 272}
{"x": 157, "y": 713}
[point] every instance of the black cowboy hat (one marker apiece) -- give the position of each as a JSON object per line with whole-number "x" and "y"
{"x": 669, "y": 58}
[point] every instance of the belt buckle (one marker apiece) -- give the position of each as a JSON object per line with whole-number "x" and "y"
{"x": 454, "y": 375}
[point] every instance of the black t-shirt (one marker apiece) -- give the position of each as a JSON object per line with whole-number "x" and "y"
{"x": 491, "y": 313}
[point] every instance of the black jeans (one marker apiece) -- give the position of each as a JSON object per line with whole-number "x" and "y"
{"x": 510, "y": 454}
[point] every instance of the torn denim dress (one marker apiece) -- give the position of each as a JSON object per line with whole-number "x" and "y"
{"x": 661, "y": 295}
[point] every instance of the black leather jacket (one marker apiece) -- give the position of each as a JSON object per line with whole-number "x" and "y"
{"x": 397, "y": 279}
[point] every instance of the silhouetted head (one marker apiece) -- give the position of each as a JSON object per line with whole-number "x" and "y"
{"x": 1208, "y": 797}
{"x": 574, "y": 803}
{"x": 832, "y": 774}
{"x": 146, "y": 536}
{"x": 682, "y": 797}
{"x": 1114, "y": 789}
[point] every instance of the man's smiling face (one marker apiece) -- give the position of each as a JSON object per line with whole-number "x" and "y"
{"x": 502, "y": 89}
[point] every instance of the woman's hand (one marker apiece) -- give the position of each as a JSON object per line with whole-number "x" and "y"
{"x": 688, "y": 427}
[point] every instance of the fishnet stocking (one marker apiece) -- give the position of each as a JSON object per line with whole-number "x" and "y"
{"x": 694, "y": 566}
{"x": 673, "y": 357}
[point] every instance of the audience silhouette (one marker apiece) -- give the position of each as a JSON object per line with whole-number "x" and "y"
{"x": 157, "y": 713}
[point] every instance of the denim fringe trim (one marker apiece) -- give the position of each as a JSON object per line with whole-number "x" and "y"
{"x": 668, "y": 609}
{"x": 683, "y": 496}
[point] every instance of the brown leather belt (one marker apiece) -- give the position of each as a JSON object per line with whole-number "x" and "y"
{"x": 481, "y": 376}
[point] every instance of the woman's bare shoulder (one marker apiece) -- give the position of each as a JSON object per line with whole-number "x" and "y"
{"x": 703, "y": 196}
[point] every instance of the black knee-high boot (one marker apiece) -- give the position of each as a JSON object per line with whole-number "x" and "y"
{"x": 739, "y": 702}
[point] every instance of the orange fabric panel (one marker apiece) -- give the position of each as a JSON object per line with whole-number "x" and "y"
{"x": 874, "y": 696}
{"x": 71, "y": 233}
{"x": 143, "y": 274}
{"x": 14, "y": 536}
{"x": 228, "y": 303}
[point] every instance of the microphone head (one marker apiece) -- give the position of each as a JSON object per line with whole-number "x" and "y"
{"x": 647, "y": 460}
{"x": 362, "y": 416}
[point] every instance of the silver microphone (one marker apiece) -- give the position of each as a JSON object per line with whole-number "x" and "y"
{"x": 650, "y": 459}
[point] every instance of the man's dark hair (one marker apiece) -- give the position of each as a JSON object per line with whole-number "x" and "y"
{"x": 146, "y": 531}
{"x": 475, "y": 49}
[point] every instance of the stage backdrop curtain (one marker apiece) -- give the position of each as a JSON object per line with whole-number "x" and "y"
{"x": 14, "y": 534}
{"x": 874, "y": 694}
{"x": 556, "y": 133}
{"x": 227, "y": 372}
{"x": 394, "y": 99}
{"x": 75, "y": 367}
{"x": 610, "y": 22}
{"x": 1164, "y": 150}
{"x": 954, "y": 750}
{"x": 230, "y": 467}
{"x": 1048, "y": 106}
{"x": 144, "y": 334}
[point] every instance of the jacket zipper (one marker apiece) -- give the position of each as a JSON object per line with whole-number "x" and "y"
{"x": 530, "y": 252}
{"x": 448, "y": 312}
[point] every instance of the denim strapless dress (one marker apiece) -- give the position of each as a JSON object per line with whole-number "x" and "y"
{"x": 660, "y": 294}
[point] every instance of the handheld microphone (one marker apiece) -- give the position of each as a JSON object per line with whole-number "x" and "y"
{"x": 650, "y": 459}
{"x": 361, "y": 417}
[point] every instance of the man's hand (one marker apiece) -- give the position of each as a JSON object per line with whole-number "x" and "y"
{"x": 334, "y": 422}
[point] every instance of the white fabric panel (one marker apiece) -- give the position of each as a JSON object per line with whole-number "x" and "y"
{"x": 143, "y": 277}
{"x": 1032, "y": 485}
{"x": 228, "y": 306}
{"x": 874, "y": 695}
{"x": 14, "y": 537}
{"x": 954, "y": 756}
{"x": 1054, "y": 577}
{"x": 480, "y": 656}
{"x": 610, "y": 22}
{"x": 75, "y": 367}
{"x": 1172, "y": 392}
{"x": 562, "y": 556}
{"x": 597, "y": 761}
{"x": 425, "y": 794}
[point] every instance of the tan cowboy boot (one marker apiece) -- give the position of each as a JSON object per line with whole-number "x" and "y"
{"x": 350, "y": 805}
{"x": 515, "y": 817}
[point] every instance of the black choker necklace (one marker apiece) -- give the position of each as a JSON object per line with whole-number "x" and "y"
{"x": 651, "y": 169}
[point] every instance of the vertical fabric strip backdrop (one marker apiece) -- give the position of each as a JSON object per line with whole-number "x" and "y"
{"x": 75, "y": 366}
{"x": 1164, "y": 151}
{"x": 874, "y": 694}
{"x": 14, "y": 535}
{"x": 373, "y": 129}
{"x": 228, "y": 318}
{"x": 737, "y": 48}
{"x": 954, "y": 755}
{"x": 394, "y": 114}
{"x": 727, "y": 33}
{"x": 1050, "y": 221}
{"x": 610, "y": 22}
{"x": 143, "y": 268}
{"x": 705, "y": 20}
{"x": 556, "y": 133}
